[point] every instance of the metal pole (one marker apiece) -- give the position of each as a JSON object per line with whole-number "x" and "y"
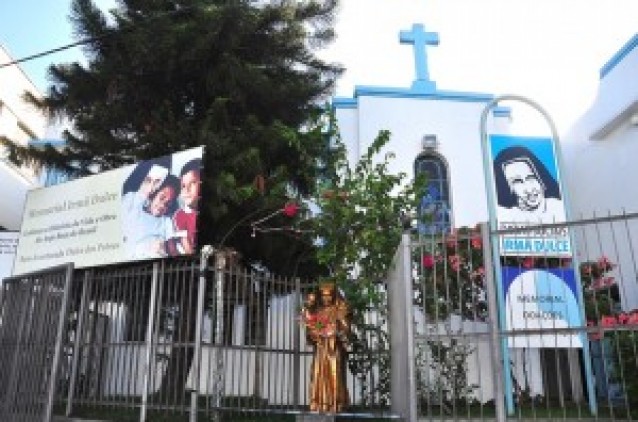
{"x": 78, "y": 339}
{"x": 149, "y": 341}
{"x": 487, "y": 165}
{"x": 220, "y": 265}
{"x": 296, "y": 338}
{"x": 492, "y": 307}
{"x": 201, "y": 294}
{"x": 58, "y": 342}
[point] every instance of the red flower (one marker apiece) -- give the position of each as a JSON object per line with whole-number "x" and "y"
{"x": 318, "y": 324}
{"x": 427, "y": 261}
{"x": 632, "y": 318}
{"x": 528, "y": 262}
{"x": 476, "y": 242}
{"x": 291, "y": 209}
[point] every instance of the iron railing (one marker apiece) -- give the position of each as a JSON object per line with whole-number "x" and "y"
{"x": 482, "y": 354}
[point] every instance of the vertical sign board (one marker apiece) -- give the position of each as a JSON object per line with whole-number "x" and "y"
{"x": 143, "y": 211}
{"x": 8, "y": 244}
{"x": 527, "y": 191}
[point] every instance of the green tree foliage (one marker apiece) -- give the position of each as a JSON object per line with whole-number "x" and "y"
{"x": 359, "y": 229}
{"x": 239, "y": 77}
{"x": 360, "y": 223}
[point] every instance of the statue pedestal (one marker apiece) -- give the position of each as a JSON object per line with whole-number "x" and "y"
{"x": 316, "y": 417}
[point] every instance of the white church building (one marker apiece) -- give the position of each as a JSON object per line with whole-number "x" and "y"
{"x": 438, "y": 131}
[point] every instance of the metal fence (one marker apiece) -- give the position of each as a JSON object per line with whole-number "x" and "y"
{"x": 32, "y": 315}
{"x": 511, "y": 344}
{"x": 174, "y": 340}
{"x": 189, "y": 339}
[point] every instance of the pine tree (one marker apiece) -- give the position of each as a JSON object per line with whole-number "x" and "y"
{"x": 238, "y": 76}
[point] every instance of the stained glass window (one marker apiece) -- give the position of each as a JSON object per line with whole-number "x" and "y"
{"x": 434, "y": 206}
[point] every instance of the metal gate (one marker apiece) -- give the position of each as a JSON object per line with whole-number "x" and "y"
{"x": 461, "y": 361}
{"x": 31, "y": 327}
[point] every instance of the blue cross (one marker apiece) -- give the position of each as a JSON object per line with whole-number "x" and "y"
{"x": 420, "y": 39}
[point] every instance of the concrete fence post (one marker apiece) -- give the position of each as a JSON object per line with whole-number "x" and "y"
{"x": 401, "y": 320}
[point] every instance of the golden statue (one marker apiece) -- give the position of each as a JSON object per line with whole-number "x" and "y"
{"x": 327, "y": 329}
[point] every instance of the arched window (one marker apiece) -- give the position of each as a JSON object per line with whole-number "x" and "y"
{"x": 434, "y": 206}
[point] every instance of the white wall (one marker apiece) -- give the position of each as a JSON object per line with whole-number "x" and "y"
{"x": 600, "y": 149}
{"x": 600, "y": 153}
{"x": 457, "y": 127}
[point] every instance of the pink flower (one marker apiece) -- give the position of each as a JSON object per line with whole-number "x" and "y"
{"x": 451, "y": 242}
{"x": 290, "y": 209}
{"x": 608, "y": 321}
{"x": 455, "y": 262}
{"x": 427, "y": 261}
{"x": 632, "y": 318}
{"x": 596, "y": 283}
{"x": 604, "y": 263}
{"x": 476, "y": 242}
{"x": 623, "y": 318}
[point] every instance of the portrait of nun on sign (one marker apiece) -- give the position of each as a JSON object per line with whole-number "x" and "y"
{"x": 526, "y": 191}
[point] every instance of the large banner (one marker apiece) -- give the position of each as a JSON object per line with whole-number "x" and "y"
{"x": 527, "y": 192}
{"x": 537, "y": 300}
{"x": 143, "y": 211}
{"x": 8, "y": 244}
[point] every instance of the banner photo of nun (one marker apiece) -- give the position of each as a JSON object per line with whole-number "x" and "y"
{"x": 526, "y": 181}
{"x": 528, "y": 193}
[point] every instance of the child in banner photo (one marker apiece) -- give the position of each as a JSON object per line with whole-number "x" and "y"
{"x": 185, "y": 218}
{"x": 147, "y": 209}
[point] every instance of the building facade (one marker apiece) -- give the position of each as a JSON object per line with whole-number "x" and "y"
{"x": 21, "y": 123}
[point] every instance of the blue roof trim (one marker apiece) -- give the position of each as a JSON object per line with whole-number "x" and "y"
{"x": 44, "y": 142}
{"x": 619, "y": 56}
{"x": 344, "y": 102}
{"x": 373, "y": 91}
{"x": 502, "y": 111}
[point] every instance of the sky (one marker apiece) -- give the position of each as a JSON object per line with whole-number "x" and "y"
{"x": 549, "y": 51}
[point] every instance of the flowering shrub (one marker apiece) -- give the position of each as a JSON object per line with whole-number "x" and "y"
{"x": 452, "y": 276}
{"x": 600, "y": 292}
{"x": 598, "y": 288}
